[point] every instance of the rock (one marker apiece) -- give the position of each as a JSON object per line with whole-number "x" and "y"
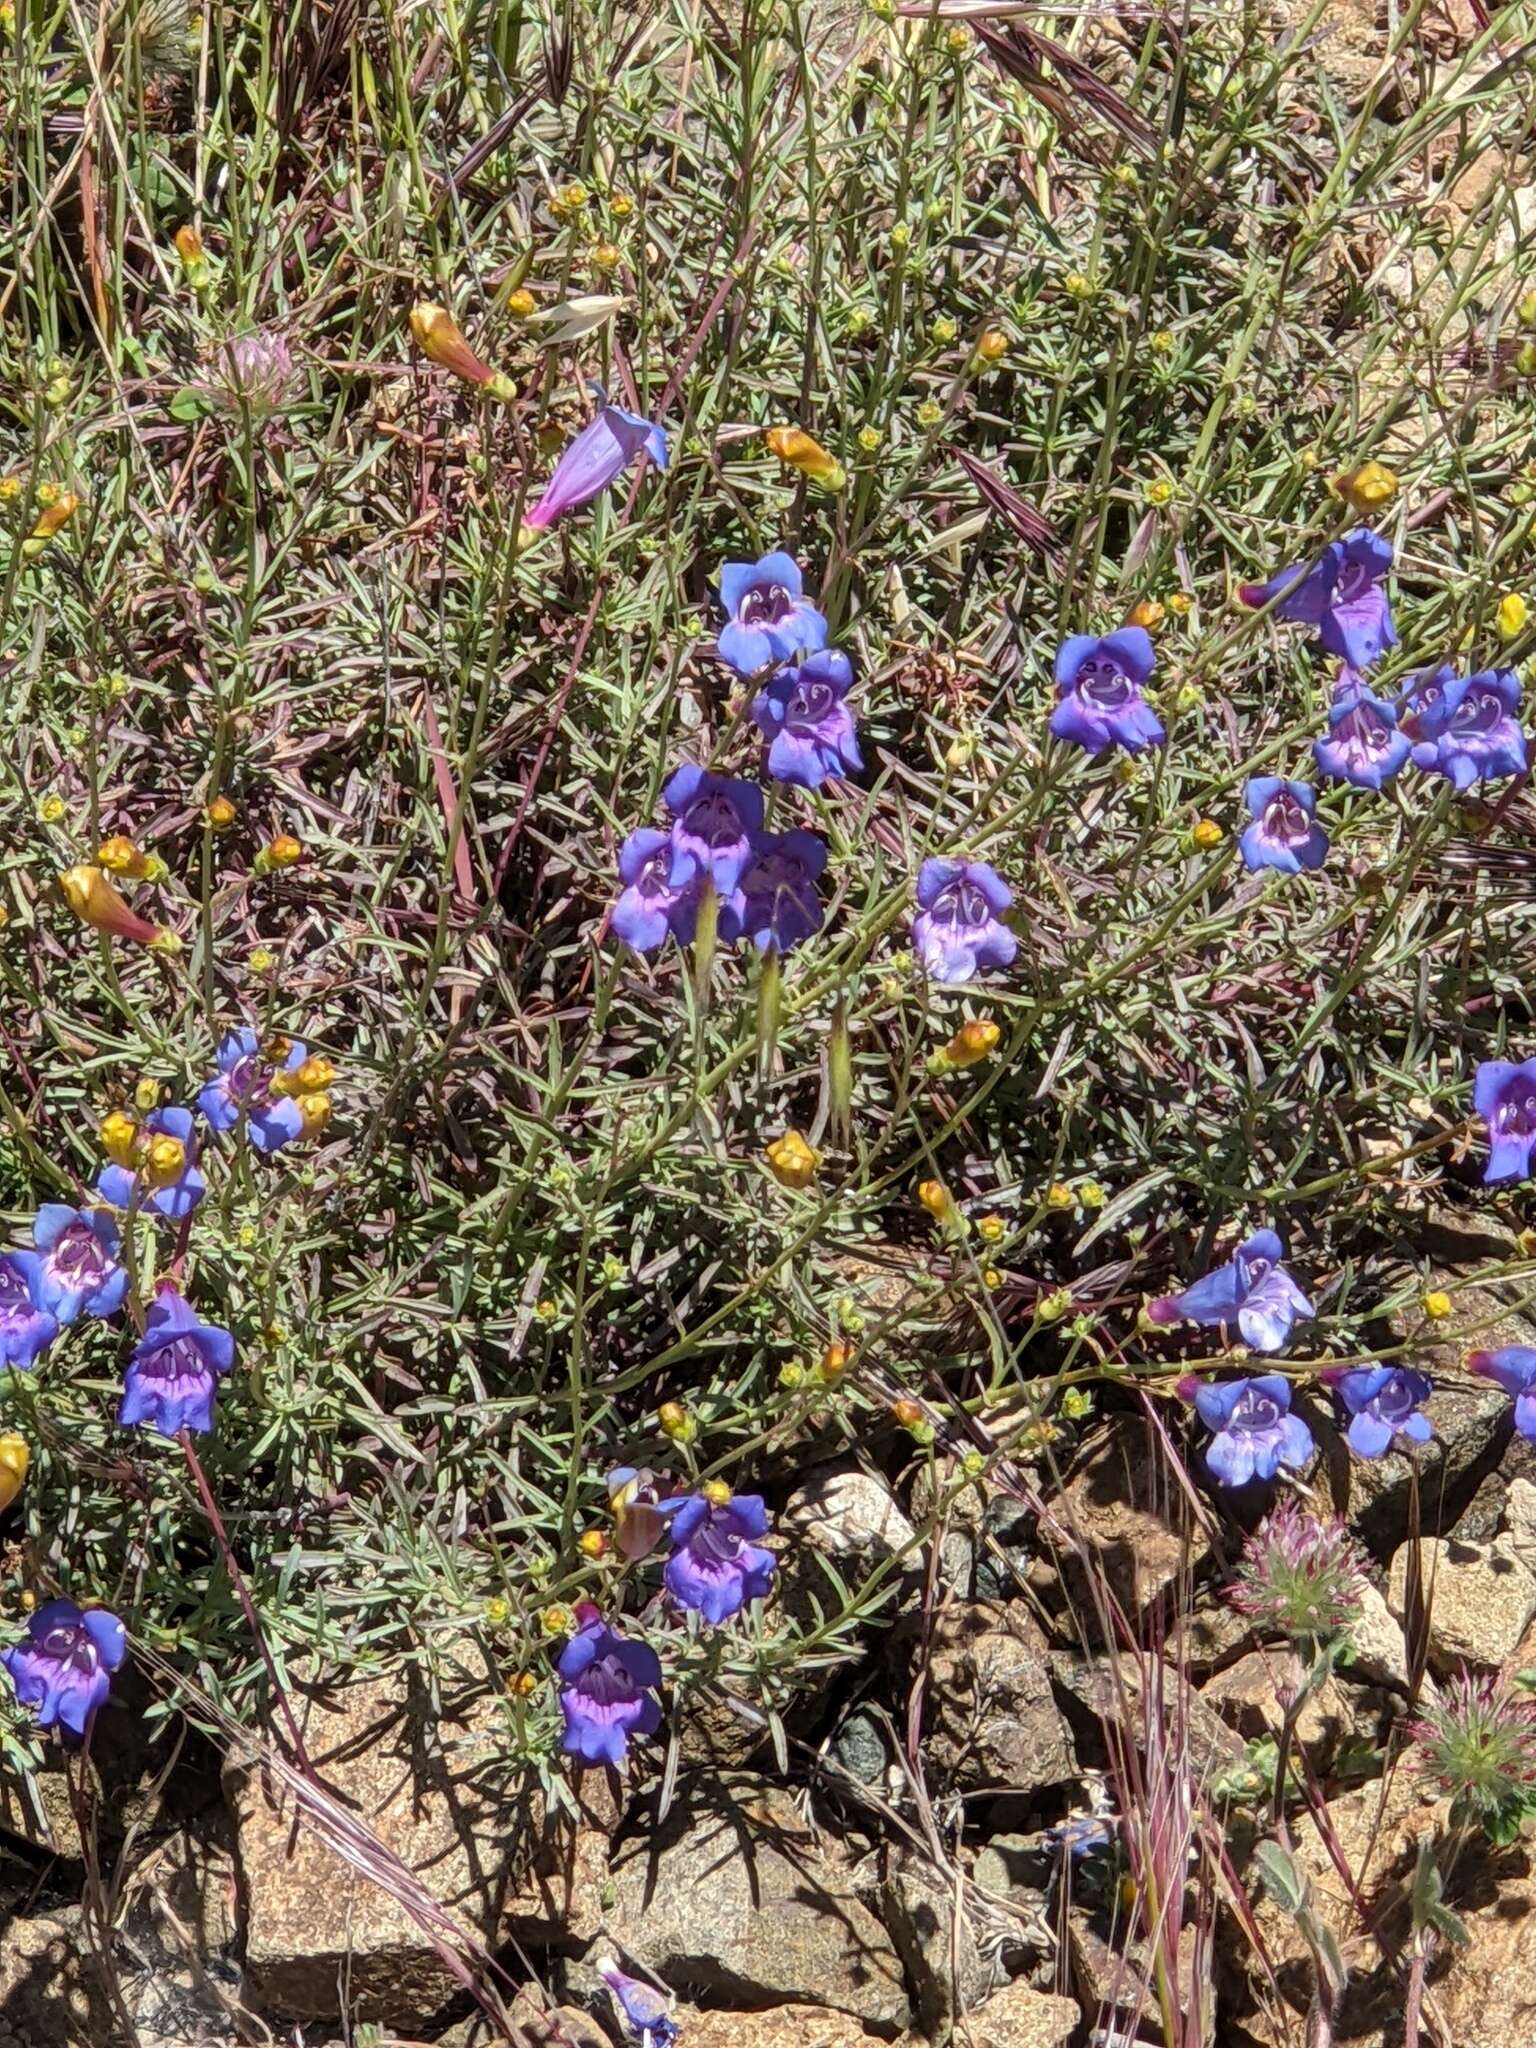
{"x": 1520, "y": 1521}
{"x": 1017, "y": 2017}
{"x": 177, "y": 1968}
{"x": 936, "y": 1941}
{"x": 559, "y": 1904}
{"x": 712, "y": 1729}
{"x": 428, "y": 1786}
{"x": 1114, "y": 1691}
{"x": 51, "y": 1995}
{"x": 1347, "y": 45}
{"x": 1378, "y": 1649}
{"x": 732, "y": 1894}
{"x": 539, "y": 2026}
{"x": 859, "y": 1748}
{"x": 38, "y": 1808}
{"x": 1248, "y": 1696}
{"x": 1479, "y": 1598}
{"x": 788, "y": 2026}
{"x": 1488, "y": 1992}
{"x": 990, "y": 1716}
{"x": 851, "y": 1518}
{"x": 1113, "y": 1973}
{"x": 1136, "y": 1524}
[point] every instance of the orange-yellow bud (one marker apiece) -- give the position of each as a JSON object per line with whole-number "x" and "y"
{"x": 993, "y": 345}
{"x": 119, "y": 1136}
{"x": 284, "y": 851}
{"x": 907, "y": 1412}
{"x": 314, "y": 1076}
{"x": 835, "y": 1361}
{"x": 97, "y": 903}
{"x": 521, "y": 1683}
{"x": 592, "y": 1543}
{"x": 716, "y": 1492}
{"x": 1148, "y": 614}
{"x": 189, "y": 246}
{"x": 794, "y": 446}
{"x": 119, "y": 856}
{"x": 974, "y": 1041}
{"x": 441, "y": 342}
{"x": 1367, "y": 488}
{"x": 316, "y": 1112}
{"x": 14, "y": 1460}
{"x": 164, "y": 1161}
{"x": 55, "y": 514}
{"x": 221, "y": 813}
{"x": 676, "y": 1422}
{"x": 792, "y": 1160}
{"x": 936, "y": 1199}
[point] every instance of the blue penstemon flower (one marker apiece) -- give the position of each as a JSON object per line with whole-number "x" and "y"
{"x": 660, "y": 895}
{"x": 245, "y": 1080}
{"x": 801, "y": 712}
{"x": 1285, "y": 833}
{"x": 1468, "y": 732}
{"x": 1253, "y": 1294}
{"x": 173, "y": 1375}
{"x": 594, "y": 459}
{"x": 78, "y": 1268}
{"x": 769, "y": 616}
{"x": 645, "y": 2010}
{"x": 1383, "y": 1402}
{"x": 1099, "y": 683}
{"x": 959, "y": 928}
{"x": 1504, "y": 1096}
{"x": 775, "y": 904}
{"x": 715, "y": 820}
{"x": 1253, "y": 1432}
{"x": 716, "y": 1565}
{"x": 1513, "y": 1369}
{"x": 1340, "y": 594}
{"x": 27, "y": 1326}
{"x": 609, "y": 1690}
{"x": 63, "y": 1669}
{"x": 1362, "y": 745}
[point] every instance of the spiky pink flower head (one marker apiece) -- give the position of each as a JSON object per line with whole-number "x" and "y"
{"x": 1478, "y": 1742}
{"x": 1300, "y": 1576}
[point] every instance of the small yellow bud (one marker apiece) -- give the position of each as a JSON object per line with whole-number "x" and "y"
{"x": 59, "y": 507}
{"x": 1525, "y": 359}
{"x": 1162, "y": 341}
{"x": 716, "y": 1492}
{"x": 991, "y": 1279}
{"x": 801, "y": 452}
{"x": 621, "y": 206}
{"x": 1148, "y": 613}
{"x": 119, "y": 856}
{"x": 1366, "y": 489}
{"x": 676, "y": 1422}
{"x": 28, "y": 1600}
{"x": 1206, "y": 833}
{"x": 573, "y": 197}
{"x": 522, "y": 1683}
{"x": 1077, "y": 286}
{"x": 118, "y": 1135}
{"x": 1437, "y": 1305}
{"x": 316, "y": 1112}
{"x": 958, "y": 41}
{"x": 1178, "y": 602}
{"x": 870, "y": 439}
{"x": 991, "y": 1229}
{"x": 1091, "y": 1194}
{"x": 592, "y": 1543}
{"x": 607, "y": 257}
{"x": 1126, "y": 176}
{"x": 220, "y": 813}
{"x": 546, "y": 1310}
{"x": 555, "y": 1620}
{"x": 901, "y": 237}
{"x": 283, "y": 852}
{"x": 14, "y": 1460}
{"x": 1159, "y": 491}
{"x": 834, "y": 1364}
{"x": 164, "y": 1161}
{"x": 1511, "y": 615}
{"x": 992, "y": 346}
{"x": 1053, "y": 1307}
{"x": 907, "y": 1412}
{"x": 52, "y": 809}
{"x": 262, "y": 960}
{"x": 792, "y": 1160}
{"x": 314, "y": 1076}
{"x": 960, "y": 752}
{"x": 194, "y": 261}
{"x": 521, "y": 304}
{"x": 943, "y": 330}
{"x": 146, "y": 1095}
{"x": 859, "y": 321}
{"x": 974, "y": 1041}
{"x": 929, "y": 413}
{"x": 1059, "y": 1196}
{"x": 937, "y": 1200}
{"x": 1525, "y": 312}
{"x": 792, "y": 1376}
{"x": 497, "y": 1611}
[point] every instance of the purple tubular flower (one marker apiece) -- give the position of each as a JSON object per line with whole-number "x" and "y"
{"x": 802, "y": 714}
{"x": 115, "y": 1184}
{"x": 174, "y": 1372}
{"x": 769, "y": 616}
{"x": 1362, "y": 744}
{"x": 78, "y": 1267}
{"x": 1504, "y": 1096}
{"x": 26, "y": 1325}
{"x": 715, "y": 1567}
{"x": 593, "y": 460}
{"x": 1340, "y": 594}
{"x": 958, "y": 928}
{"x": 1383, "y": 1402}
{"x": 1253, "y": 1431}
{"x": 715, "y": 823}
{"x": 1254, "y": 1292}
{"x": 243, "y": 1080}
{"x": 651, "y": 903}
{"x": 775, "y": 905}
{"x": 608, "y": 1694}
{"x": 1285, "y": 833}
{"x": 1469, "y": 732}
{"x": 64, "y": 1668}
{"x": 644, "y": 2009}
{"x": 1513, "y": 1369}
{"x": 1099, "y": 685}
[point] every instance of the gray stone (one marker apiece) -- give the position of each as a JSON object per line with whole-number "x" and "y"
{"x": 859, "y": 1747}
{"x": 51, "y": 1994}
{"x": 1017, "y": 2017}
{"x": 1479, "y": 1598}
{"x": 1114, "y": 1975}
{"x": 733, "y": 1895}
{"x": 787, "y": 2026}
{"x": 990, "y": 1714}
{"x": 1122, "y": 1521}
{"x": 851, "y": 1518}
{"x": 1250, "y": 1696}
{"x": 1378, "y": 1649}
{"x": 936, "y": 1940}
{"x": 1115, "y": 1691}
